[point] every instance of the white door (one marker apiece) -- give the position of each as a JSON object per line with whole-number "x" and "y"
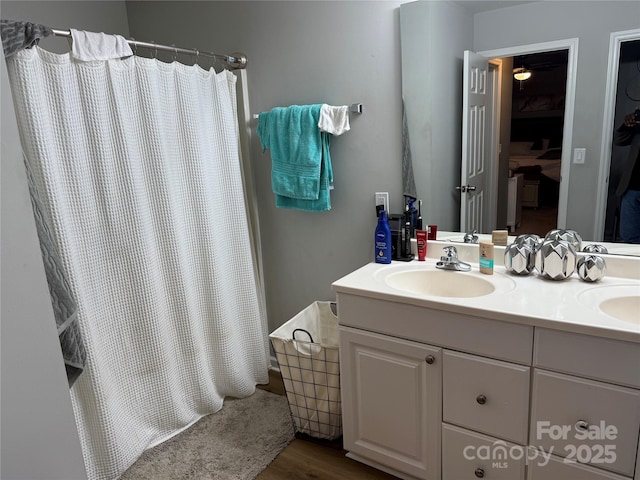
{"x": 475, "y": 144}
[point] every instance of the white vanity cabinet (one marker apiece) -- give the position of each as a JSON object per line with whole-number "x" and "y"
{"x": 438, "y": 395}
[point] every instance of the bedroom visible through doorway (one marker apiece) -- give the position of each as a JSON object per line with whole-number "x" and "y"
{"x": 535, "y": 148}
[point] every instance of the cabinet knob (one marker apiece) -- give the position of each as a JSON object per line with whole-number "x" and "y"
{"x": 430, "y": 359}
{"x": 481, "y": 399}
{"x": 582, "y": 426}
{"x": 479, "y": 473}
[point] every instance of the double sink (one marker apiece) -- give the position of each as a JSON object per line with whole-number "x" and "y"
{"x": 618, "y": 300}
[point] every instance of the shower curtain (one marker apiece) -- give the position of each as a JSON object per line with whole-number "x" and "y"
{"x": 137, "y": 165}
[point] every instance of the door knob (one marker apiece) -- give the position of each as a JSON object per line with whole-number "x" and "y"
{"x": 466, "y": 188}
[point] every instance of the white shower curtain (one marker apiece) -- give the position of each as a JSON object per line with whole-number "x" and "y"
{"x": 137, "y": 164}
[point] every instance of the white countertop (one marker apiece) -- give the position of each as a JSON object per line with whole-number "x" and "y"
{"x": 569, "y": 305}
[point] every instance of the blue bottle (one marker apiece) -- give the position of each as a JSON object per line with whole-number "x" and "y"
{"x": 383, "y": 239}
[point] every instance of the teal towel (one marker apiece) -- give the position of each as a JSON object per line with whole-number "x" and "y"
{"x": 301, "y": 173}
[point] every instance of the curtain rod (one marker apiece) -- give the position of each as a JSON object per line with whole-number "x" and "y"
{"x": 235, "y": 60}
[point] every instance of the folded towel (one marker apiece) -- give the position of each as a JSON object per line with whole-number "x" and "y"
{"x": 301, "y": 165}
{"x": 17, "y": 36}
{"x": 323, "y": 202}
{"x": 88, "y": 46}
{"x": 334, "y": 120}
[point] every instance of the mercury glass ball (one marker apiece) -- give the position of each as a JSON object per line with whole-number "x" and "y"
{"x": 591, "y": 268}
{"x": 570, "y": 236}
{"x": 595, "y": 248}
{"x": 529, "y": 239}
{"x": 520, "y": 258}
{"x": 556, "y": 259}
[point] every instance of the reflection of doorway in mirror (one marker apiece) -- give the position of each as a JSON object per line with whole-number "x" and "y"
{"x": 535, "y": 148}
{"x": 506, "y": 56}
{"x": 627, "y": 100}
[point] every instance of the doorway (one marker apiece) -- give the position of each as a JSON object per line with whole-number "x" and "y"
{"x": 536, "y": 135}
{"x": 569, "y": 46}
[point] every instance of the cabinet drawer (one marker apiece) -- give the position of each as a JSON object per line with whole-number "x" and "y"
{"x": 603, "y": 359}
{"x": 486, "y": 395}
{"x": 469, "y": 455}
{"x": 567, "y": 409}
{"x": 559, "y": 469}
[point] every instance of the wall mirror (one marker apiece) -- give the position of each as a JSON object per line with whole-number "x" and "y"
{"x": 532, "y": 150}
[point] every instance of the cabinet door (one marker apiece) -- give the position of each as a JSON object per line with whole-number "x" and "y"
{"x": 391, "y": 401}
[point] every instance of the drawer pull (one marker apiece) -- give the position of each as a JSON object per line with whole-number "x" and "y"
{"x": 479, "y": 473}
{"x": 430, "y": 359}
{"x": 481, "y": 399}
{"x": 582, "y": 426}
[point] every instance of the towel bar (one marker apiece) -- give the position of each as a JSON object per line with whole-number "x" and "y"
{"x": 353, "y": 108}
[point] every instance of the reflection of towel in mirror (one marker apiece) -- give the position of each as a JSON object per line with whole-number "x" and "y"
{"x": 334, "y": 120}
{"x": 88, "y": 46}
{"x": 17, "y": 36}
{"x": 65, "y": 309}
{"x": 301, "y": 172}
{"x": 408, "y": 180}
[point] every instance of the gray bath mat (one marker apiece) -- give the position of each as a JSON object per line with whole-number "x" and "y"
{"x": 236, "y": 443}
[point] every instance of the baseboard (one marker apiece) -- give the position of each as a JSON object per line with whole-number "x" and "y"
{"x": 273, "y": 364}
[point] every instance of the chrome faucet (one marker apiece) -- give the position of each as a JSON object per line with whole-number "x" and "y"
{"x": 471, "y": 237}
{"x": 450, "y": 261}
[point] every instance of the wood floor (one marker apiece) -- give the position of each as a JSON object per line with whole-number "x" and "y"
{"x": 317, "y": 460}
{"x": 537, "y": 220}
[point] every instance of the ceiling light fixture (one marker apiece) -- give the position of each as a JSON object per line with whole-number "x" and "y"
{"x": 521, "y": 74}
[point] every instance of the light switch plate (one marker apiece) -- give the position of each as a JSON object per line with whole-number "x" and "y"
{"x": 579, "y": 155}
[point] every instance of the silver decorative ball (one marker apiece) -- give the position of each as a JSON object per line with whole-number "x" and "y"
{"x": 595, "y": 248}
{"x": 570, "y": 236}
{"x": 520, "y": 258}
{"x": 591, "y": 268}
{"x": 556, "y": 259}
{"x": 529, "y": 239}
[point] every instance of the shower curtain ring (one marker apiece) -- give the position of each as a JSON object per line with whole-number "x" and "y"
{"x": 155, "y": 49}
{"x": 175, "y": 53}
{"x": 197, "y": 56}
{"x": 134, "y": 44}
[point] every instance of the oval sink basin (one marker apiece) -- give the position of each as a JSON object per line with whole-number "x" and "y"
{"x": 626, "y": 309}
{"x": 621, "y": 302}
{"x": 440, "y": 283}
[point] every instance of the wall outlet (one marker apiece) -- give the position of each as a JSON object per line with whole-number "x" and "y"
{"x": 382, "y": 198}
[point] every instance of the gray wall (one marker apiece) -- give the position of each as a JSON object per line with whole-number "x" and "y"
{"x": 39, "y": 436}
{"x": 591, "y": 22}
{"x": 301, "y": 53}
{"x": 434, "y": 38}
